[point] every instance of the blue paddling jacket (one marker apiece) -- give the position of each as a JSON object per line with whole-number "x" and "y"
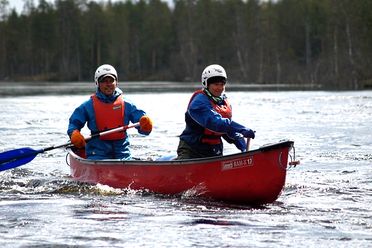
{"x": 97, "y": 148}
{"x": 205, "y": 125}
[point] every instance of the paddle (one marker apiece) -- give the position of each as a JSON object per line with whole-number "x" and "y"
{"x": 248, "y": 143}
{"x": 14, "y": 158}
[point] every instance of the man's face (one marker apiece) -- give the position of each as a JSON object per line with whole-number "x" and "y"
{"x": 107, "y": 85}
{"x": 216, "y": 88}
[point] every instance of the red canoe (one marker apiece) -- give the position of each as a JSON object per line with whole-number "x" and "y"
{"x": 255, "y": 177}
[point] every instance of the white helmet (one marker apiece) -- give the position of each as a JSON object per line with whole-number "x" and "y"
{"x": 105, "y": 70}
{"x": 212, "y": 71}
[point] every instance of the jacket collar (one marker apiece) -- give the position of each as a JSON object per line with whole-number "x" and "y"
{"x": 108, "y": 99}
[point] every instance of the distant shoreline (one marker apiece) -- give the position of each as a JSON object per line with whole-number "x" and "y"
{"x": 75, "y": 88}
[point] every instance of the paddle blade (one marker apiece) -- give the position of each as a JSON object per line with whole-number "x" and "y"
{"x": 17, "y": 157}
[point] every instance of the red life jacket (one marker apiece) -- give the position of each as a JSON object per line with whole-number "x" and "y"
{"x": 210, "y": 137}
{"x": 109, "y": 116}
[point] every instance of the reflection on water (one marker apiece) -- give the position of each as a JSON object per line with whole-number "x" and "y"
{"x": 326, "y": 201}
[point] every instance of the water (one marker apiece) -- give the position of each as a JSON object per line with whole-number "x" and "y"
{"x": 326, "y": 201}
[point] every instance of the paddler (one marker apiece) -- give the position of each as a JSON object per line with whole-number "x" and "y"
{"x": 208, "y": 119}
{"x": 104, "y": 110}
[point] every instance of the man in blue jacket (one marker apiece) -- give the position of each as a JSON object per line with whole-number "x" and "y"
{"x": 105, "y": 110}
{"x": 208, "y": 118}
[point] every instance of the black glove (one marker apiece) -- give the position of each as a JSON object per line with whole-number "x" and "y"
{"x": 248, "y": 133}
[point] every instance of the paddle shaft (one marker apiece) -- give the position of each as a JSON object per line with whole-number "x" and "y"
{"x": 114, "y": 130}
{"x": 248, "y": 143}
{"x": 17, "y": 157}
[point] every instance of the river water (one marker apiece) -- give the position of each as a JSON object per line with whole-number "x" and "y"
{"x": 326, "y": 202}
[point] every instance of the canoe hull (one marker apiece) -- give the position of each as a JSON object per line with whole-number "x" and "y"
{"x": 254, "y": 177}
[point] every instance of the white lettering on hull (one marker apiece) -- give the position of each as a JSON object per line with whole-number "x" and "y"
{"x": 237, "y": 163}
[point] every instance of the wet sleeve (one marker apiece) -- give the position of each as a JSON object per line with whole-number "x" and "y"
{"x": 78, "y": 118}
{"x": 202, "y": 111}
{"x": 133, "y": 114}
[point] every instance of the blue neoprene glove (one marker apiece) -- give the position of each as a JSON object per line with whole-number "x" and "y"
{"x": 248, "y": 133}
{"x": 241, "y": 144}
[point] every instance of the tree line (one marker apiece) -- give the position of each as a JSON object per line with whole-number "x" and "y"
{"x": 326, "y": 42}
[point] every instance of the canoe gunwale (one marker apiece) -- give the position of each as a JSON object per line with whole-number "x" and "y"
{"x": 264, "y": 148}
